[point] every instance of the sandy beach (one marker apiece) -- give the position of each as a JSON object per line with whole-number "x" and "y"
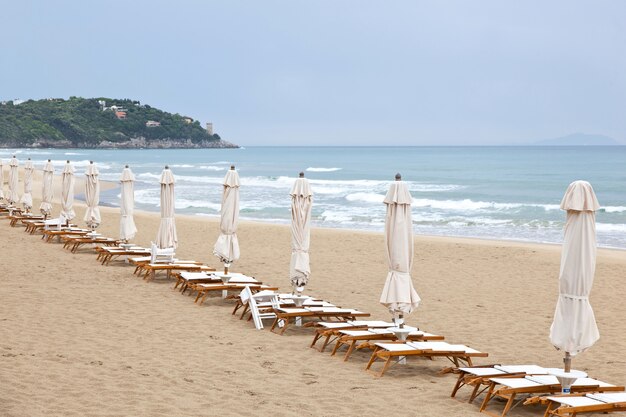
{"x": 81, "y": 339}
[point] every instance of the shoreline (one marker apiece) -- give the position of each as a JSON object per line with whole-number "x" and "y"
{"x": 112, "y": 185}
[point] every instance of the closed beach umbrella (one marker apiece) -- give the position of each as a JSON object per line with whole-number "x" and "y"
{"x": 13, "y": 179}
{"x": 301, "y": 203}
{"x": 127, "y": 205}
{"x": 1, "y": 181}
{"x": 27, "y": 197}
{"x": 92, "y": 196}
{"x": 398, "y": 294}
{"x": 166, "y": 236}
{"x": 46, "y": 189}
{"x": 67, "y": 192}
{"x": 574, "y": 327}
{"x": 227, "y": 246}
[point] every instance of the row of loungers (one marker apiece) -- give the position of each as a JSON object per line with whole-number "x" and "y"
{"x": 345, "y": 328}
{"x": 532, "y": 385}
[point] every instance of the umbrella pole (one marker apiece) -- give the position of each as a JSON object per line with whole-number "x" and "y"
{"x": 567, "y": 362}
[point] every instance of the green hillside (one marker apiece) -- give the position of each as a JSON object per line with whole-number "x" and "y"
{"x": 80, "y": 122}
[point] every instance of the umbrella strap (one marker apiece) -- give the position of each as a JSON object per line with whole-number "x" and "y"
{"x": 575, "y": 297}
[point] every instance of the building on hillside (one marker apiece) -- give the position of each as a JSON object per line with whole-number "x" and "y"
{"x": 152, "y": 123}
{"x": 188, "y": 120}
{"x": 209, "y": 128}
{"x": 120, "y": 114}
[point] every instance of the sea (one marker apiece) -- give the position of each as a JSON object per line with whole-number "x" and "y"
{"x": 504, "y": 193}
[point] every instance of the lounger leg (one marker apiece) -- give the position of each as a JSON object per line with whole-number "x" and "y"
{"x": 459, "y": 384}
{"x": 329, "y": 334}
{"x": 549, "y": 410}
{"x": 372, "y": 359}
{"x": 316, "y": 337}
{"x": 204, "y": 297}
{"x": 274, "y": 324}
{"x": 508, "y": 405}
{"x": 350, "y": 349}
{"x": 492, "y": 386}
{"x": 334, "y": 351}
{"x": 385, "y": 366}
{"x": 475, "y": 392}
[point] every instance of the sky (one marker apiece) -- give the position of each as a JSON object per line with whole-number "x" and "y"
{"x": 334, "y": 72}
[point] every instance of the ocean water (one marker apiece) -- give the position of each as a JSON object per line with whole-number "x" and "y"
{"x": 488, "y": 192}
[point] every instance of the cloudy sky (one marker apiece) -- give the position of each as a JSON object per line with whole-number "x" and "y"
{"x": 334, "y": 72}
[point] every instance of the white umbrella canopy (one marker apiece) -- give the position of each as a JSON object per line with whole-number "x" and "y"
{"x": 92, "y": 196}
{"x": 574, "y": 327}
{"x": 166, "y": 236}
{"x": 301, "y": 204}
{"x": 398, "y": 294}
{"x": 227, "y": 246}
{"x": 27, "y": 197}
{"x": 67, "y": 191}
{"x": 128, "y": 230}
{"x": 13, "y": 180}
{"x": 46, "y": 189}
{"x": 1, "y": 181}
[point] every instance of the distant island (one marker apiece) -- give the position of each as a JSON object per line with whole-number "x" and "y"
{"x": 579, "y": 139}
{"x": 99, "y": 123}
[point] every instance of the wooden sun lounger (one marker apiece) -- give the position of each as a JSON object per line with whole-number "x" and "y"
{"x": 49, "y": 235}
{"x": 33, "y": 225}
{"x": 285, "y": 315}
{"x": 511, "y": 389}
{"x": 188, "y": 280}
{"x": 394, "y": 352}
{"x": 329, "y": 331}
{"x": 478, "y": 376}
{"x": 142, "y": 264}
{"x": 8, "y": 211}
{"x": 204, "y": 289}
{"x": 366, "y": 338}
{"x": 150, "y": 270}
{"x": 73, "y": 243}
{"x": 108, "y": 253}
{"x": 572, "y": 405}
{"x": 281, "y": 302}
{"x": 18, "y": 219}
